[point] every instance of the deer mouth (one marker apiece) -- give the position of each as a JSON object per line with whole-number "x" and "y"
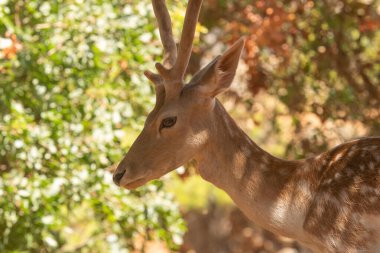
{"x": 134, "y": 184}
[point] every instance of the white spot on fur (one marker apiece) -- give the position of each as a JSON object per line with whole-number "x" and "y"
{"x": 351, "y": 152}
{"x": 280, "y": 210}
{"x": 373, "y": 199}
{"x": 263, "y": 167}
{"x": 306, "y": 168}
{"x": 330, "y": 198}
{"x": 366, "y": 189}
{"x": 337, "y": 157}
{"x": 304, "y": 188}
{"x": 328, "y": 182}
{"x": 289, "y": 210}
{"x": 198, "y": 139}
{"x": 333, "y": 241}
{"x": 240, "y": 164}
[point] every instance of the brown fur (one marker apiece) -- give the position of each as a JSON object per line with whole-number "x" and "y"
{"x": 330, "y": 203}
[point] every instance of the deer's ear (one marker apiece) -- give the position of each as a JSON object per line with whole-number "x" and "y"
{"x": 219, "y": 74}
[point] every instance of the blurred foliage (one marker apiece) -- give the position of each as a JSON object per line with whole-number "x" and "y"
{"x": 321, "y": 59}
{"x": 72, "y": 99}
{"x": 195, "y": 193}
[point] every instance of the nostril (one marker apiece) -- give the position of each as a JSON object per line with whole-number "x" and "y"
{"x": 117, "y": 177}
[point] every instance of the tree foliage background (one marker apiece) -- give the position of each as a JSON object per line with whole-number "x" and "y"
{"x": 320, "y": 59}
{"x": 73, "y": 98}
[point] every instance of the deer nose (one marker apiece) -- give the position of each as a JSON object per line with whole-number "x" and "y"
{"x": 117, "y": 176}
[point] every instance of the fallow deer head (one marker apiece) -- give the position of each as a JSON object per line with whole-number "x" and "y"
{"x": 179, "y": 125}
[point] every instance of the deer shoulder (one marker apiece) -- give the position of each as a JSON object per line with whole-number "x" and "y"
{"x": 345, "y": 209}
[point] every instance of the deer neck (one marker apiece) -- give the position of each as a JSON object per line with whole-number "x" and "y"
{"x": 253, "y": 178}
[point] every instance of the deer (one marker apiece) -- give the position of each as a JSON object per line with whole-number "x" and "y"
{"x": 328, "y": 203}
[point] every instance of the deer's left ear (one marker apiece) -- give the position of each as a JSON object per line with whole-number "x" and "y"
{"x": 219, "y": 74}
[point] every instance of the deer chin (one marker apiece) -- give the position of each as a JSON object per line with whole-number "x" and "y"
{"x": 132, "y": 184}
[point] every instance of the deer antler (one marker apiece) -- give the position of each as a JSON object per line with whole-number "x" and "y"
{"x": 187, "y": 37}
{"x": 174, "y": 66}
{"x": 166, "y": 34}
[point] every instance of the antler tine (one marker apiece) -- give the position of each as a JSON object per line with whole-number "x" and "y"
{"x": 165, "y": 27}
{"x": 187, "y": 37}
{"x": 175, "y": 65}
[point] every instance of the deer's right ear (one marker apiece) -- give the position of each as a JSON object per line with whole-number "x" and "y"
{"x": 219, "y": 74}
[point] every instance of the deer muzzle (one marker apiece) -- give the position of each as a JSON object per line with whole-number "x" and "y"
{"x": 124, "y": 176}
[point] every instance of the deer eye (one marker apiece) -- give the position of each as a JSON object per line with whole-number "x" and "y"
{"x": 168, "y": 122}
